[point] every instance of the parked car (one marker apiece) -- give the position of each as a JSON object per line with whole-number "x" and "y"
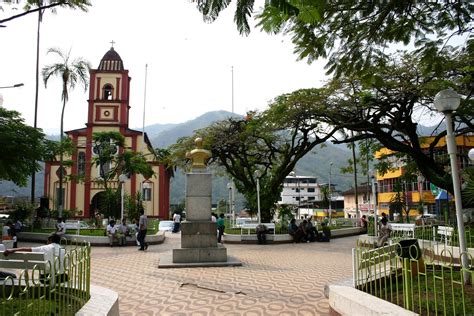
{"x": 75, "y": 225}
{"x": 166, "y": 226}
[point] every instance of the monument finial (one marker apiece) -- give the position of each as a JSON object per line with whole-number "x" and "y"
{"x": 198, "y": 156}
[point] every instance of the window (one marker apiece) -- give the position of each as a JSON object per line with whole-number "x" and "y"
{"x": 146, "y": 191}
{"x": 108, "y": 92}
{"x": 297, "y": 189}
{"x": 297, "y": 198}
{"x": 311, "y": 198}
{"x": 311, "y": 190}
{"x": 81, "y": 163}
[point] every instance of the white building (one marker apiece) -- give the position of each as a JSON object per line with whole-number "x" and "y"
{"x": 299, "y": 190}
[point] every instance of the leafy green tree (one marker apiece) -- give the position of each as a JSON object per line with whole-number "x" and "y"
{"x": 165, "y": 158}
{"x": 387, "y": 109}
{"x": 32, "y": 6}
{"x": 71, "y": 73}
{"x": 22, "y": 146}
{"x": 271, "y": 142}
{"x": 40, "y": 6}
{"x": 113, "y": 160}
{"x": 353, "y": 34}
{"x": 222, "y": 206}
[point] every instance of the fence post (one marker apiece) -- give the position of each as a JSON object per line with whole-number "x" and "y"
{"x": 354, "y": 268}
{"x": 407, "y": 284}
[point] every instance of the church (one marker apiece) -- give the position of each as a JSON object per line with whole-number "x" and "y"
{"x": 108, "y": 111}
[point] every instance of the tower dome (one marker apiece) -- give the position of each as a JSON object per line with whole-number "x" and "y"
{"x": 111, "y": 61}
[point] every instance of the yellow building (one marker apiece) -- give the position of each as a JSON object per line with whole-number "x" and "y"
{"x": 108, "y": 110}
{"x": 417, "y": 193}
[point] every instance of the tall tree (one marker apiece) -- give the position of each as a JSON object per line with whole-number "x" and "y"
{"x": 386, "y": 108}
{"x": 271, "y": 142}
{"x": 71, "y": 73}
{"x": 22, "y": 146}
{"x": 352, "y": 34}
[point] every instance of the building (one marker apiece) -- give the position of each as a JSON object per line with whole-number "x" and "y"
{"x": 364, "y": 201}
{"x": 419, "y": 194}
{"x": 305, "y": 194}
{"x": 108, "y": 110}
{"x": 298, "y": 190}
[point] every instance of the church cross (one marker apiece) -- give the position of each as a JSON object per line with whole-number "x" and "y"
{"x": 112, "y": 42}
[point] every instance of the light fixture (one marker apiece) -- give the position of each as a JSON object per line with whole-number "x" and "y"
{"x": 447, "y": 101}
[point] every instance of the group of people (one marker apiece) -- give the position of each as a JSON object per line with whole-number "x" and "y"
{"x": 122, "y": 231}
{"x": 307, "y": 232}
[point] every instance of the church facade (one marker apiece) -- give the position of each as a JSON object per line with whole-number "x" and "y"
{"x": 108, "y": 111}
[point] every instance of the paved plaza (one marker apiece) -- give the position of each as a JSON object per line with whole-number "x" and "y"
{"x": 280, "y": 279}
{"x": 284, "y": 279}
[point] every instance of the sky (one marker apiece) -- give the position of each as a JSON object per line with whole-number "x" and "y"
{"x": 189, "y": 61}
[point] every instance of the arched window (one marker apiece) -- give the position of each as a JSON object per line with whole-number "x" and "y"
{"x": 81, "y": 163}
{"x": 108, "y": 92}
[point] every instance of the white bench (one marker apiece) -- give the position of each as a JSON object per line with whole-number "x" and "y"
{"x": 403, "y": 230}
{"x": 249, "y": 226}
{"x": 24, "y": 260}
{"x": 446, "y": 234}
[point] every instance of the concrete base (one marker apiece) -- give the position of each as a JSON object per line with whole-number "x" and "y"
{"x": 166, "y": 262}
{"x": 103, "y": 302}
{"x": 194, "y": 255}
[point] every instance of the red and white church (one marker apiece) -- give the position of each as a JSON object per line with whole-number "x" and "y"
{"x": 108, "y": 110}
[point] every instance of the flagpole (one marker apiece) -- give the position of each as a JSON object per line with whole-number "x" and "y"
{"x": 232, "y": 71}
{"x": 143, "y": 127}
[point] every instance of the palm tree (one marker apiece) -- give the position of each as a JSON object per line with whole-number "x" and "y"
{"x": 40, "y": 6}
{"x": 71, "y": 72}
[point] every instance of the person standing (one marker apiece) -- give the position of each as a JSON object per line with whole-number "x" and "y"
{"x": 220, "y": 228}
{"x": 177, "y": 222}
{"x": 142, "y": 226}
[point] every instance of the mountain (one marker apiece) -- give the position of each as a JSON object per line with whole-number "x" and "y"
{"x": 169, "y": 136}
{"x": 316, "y": 163}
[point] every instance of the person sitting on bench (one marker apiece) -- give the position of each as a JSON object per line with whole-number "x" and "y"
{"x": 52, "y": 250}
{"x": 261, "y": 231}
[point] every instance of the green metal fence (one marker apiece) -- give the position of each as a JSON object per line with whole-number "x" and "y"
{"x": 59, "y": 288}
{"x": 424, "y": 277}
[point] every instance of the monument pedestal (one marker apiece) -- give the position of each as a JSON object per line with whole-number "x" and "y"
{"x": 198, "y": 234}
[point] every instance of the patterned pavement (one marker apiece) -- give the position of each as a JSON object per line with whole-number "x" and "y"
{"x": 279, "y": 279}
{"x": 284, "y": 279}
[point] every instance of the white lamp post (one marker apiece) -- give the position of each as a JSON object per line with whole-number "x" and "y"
{"x": 257, "y": 175}
{"x": 447, "y": 101}
{"x": 330, "y": 193}
{"x": 122, "y": 179}
{"x": 229, "y": 209}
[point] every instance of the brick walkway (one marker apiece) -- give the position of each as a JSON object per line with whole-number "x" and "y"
{"x": 286, "y": 279}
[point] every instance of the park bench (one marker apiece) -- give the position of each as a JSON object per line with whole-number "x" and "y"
{"x": 402, "y": 231}
{"x": 446, "y": 234}
{"x": 371, "y": 263}
{"x": 249, "y": 226}
{"x": 38, "y": 261}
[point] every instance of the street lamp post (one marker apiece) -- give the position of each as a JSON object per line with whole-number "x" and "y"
{"x": 17, "y": 85}
{"x": 229, "y": 208}
{"x": 374, "y": 201}
{"x": 447, "y": 101}
{"x": 257, "y": 175}
{"x": 122, "y": 179}
{"x": 330, "y": 193}
{"x": 8, "y": 87}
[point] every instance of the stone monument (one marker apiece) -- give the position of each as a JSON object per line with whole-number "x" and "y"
{"x": 198, "y": 233}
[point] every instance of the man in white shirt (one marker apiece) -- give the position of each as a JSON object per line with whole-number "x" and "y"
{"x": 177, "y": 222}
{"x": 112, "y": 232}
{"x": 52, "y": 250}
{"x": 60, "y": 227}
